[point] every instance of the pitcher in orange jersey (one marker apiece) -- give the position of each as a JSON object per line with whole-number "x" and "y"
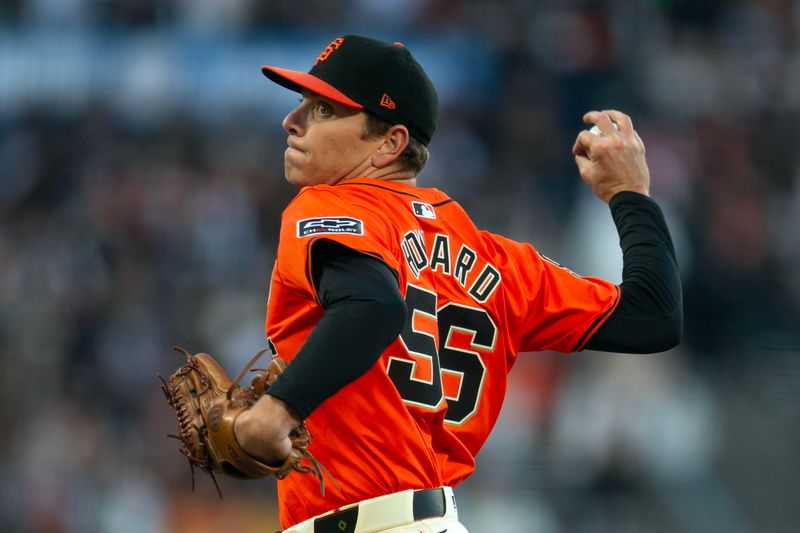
{"x": 401, "y": 319}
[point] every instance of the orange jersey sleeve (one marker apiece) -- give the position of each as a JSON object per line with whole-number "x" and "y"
{"x": 553, "y": 307}
{"x": 321, "y": 213}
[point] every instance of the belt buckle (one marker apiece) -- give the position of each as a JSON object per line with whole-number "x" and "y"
{"x": 429, "y": 503}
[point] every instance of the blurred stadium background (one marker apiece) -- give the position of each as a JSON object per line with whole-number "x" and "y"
{"x": 140, "y": 194}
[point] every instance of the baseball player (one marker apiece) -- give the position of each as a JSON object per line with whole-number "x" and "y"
{"x": 400, "y": 319}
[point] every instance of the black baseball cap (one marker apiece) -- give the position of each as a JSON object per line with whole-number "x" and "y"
{"x": 365, "y": 73}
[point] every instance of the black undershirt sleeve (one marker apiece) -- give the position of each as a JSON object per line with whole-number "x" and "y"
{"x": 364, "y": 313}
{"x": 649, "y": 316}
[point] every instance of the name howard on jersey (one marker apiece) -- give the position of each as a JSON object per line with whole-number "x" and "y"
{"x": 443, "y": 259}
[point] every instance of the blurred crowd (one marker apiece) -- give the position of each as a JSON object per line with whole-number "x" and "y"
{"x": 134, "y": 219}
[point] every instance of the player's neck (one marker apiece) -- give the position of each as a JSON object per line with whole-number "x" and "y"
{"x": 406, "y": 177}
{"x": 405, "y": 180}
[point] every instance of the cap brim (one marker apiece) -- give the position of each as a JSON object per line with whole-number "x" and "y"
{"x": 297, "y": 81}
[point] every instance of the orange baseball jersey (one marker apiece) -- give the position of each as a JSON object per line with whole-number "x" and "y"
{"x": 418, "y": 418}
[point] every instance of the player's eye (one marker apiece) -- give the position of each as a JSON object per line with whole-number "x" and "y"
{"x": 323, "y": 109}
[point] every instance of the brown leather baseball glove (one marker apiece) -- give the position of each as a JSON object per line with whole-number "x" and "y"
{"x": 207, "y": 404}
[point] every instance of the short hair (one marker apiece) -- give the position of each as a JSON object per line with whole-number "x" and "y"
{"x": 413, "y": 158}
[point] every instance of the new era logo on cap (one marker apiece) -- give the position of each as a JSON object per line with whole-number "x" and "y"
{"x": 386, "y": 101}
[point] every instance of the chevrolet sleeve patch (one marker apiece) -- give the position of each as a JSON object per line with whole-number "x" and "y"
{"x": 314, "y": 226}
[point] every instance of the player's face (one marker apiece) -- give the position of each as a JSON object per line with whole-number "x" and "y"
{"x": 325, "y": 143}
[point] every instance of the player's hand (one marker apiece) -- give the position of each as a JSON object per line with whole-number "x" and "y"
{"x": 263, "y": 431}
{"x": 614, "y": 161}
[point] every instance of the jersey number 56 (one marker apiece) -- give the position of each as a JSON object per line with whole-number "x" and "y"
{"x": 464, "y": 332}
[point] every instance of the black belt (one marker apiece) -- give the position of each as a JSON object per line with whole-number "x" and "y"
{"x": 428, "y": 503}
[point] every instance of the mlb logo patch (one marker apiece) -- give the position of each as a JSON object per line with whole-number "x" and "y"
{"x": 314, "y": 226}
{"x": 423, "y": 210}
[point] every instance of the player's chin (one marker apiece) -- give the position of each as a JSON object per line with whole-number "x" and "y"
{"x": 291, "y": 178}
{"x": 295, "y": 176}
{"x": 292, "y": 171}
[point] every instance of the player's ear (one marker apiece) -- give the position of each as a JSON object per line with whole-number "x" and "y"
{"x": 395, "y": 141}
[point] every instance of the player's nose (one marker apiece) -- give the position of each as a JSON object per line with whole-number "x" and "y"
{"x": 293, "y": 123}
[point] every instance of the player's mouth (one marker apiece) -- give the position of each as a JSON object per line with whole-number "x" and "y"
{"x": 293, "y": 146}
{"x": 294, "y": 154}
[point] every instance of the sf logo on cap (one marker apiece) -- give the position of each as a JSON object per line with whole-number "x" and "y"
{"x": 329, "y": 50}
